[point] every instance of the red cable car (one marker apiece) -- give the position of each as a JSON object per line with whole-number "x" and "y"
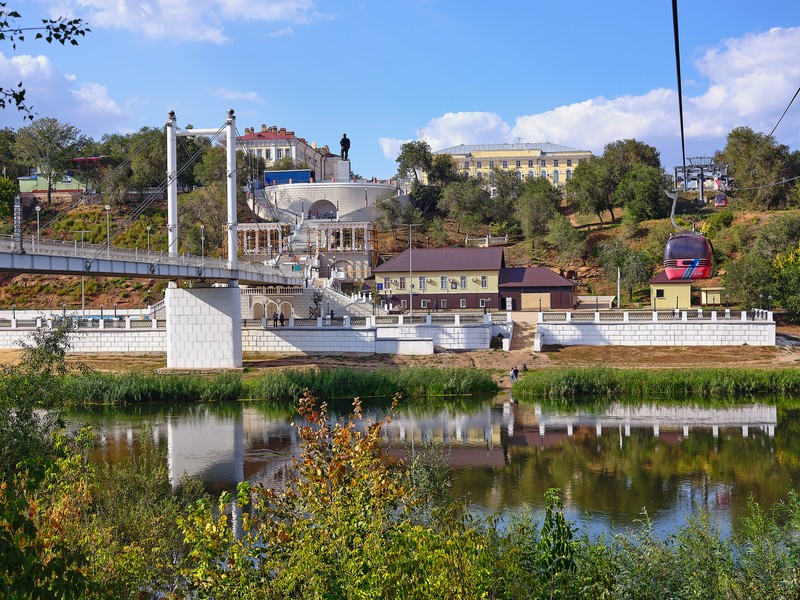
{"x": 721, "y": 201}
{"x": 688, "y": 256}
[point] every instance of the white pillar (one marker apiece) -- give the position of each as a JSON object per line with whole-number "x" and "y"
{"x": 172, "y": 185}
{"x": 233, "y": 258}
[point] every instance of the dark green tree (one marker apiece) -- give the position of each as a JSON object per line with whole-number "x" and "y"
{"x": 569, "y": 241}
{"x": 641, "y": 192}
{"x": 48, "y": 145}
{"x": 759, "y": 167}
{"x": 537, "y": 204}
{"x": 415, "y": 158}
{"x": 464, "y": 202}
{"x": 589, "y": 190}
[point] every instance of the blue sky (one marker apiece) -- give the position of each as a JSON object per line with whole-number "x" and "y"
{"x": 582, "y": 74}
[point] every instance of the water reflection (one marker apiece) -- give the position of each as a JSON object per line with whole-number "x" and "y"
{"x": 609, "y": 464}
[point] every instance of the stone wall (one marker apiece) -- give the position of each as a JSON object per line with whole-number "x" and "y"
{"x": 710, "y": 329}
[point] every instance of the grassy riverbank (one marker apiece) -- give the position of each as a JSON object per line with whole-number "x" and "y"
{"x": 566, "y": 386}
{"x": 284, "y": 386}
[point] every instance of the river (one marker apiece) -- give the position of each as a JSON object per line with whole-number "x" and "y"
{"x": 610, "y": 463}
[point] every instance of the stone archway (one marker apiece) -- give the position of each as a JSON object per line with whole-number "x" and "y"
{"x": 286, "y": 310}
{"x": 258, "y": 310}
{"x": 322, "y": 209}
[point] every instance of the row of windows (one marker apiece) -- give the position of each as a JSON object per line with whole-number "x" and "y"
{"x": 518, "y": 163}
{"x": 462, "y": 303}
{"x": 266, "y": 153}
{"x": 422, "y": 282}
{"x": 531, "y": 175}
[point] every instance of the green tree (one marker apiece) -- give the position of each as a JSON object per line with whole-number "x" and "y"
{"x": 569, "y": 241}
{"x": 415, "y": 158}
{"x": 464, "y": 202}
{"x": 623, "y": 155}
{"x": 536, "y": 206}
{"x": 786, "y": 282}
{"x": 635, "y": 267}
{"x": 508, "y": 188}
{"x": 62, "y": 30}
{"x": 641, "y": 192}
{"x": 759, "y": 167}
{"x": 48, "y": 145}
{"x": 442, "y": 170}
{"x": 748, "y": 277}
{"x": 390, "y": 212}
{"x": 8, "y": 191}
{"x": 589, "y": 190}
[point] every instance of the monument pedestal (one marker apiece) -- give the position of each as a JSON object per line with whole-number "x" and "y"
{"x": 343, "y": 172}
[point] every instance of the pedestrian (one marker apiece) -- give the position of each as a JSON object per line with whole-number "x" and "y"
{"x": 435, "y": 306}
{"x": 516, "y": 374}
{"x": 511, "y": 375}
{"x": 281, "y": 319}
{"x": 275, "y": 319}
{"x": 331, "y": 314}
{"x": 524, "y": 368}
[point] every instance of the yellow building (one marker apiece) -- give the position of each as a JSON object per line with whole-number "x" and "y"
{"x": 554, "y": 162}
{"x": 669, "y": 294}
{"x": 442, "y": 278}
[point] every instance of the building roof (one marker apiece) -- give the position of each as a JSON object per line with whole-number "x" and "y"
{"x": 446, "y": 259}
{"x": 545, "y": 147}
{"x": 662, "y": 278}
{"x": 532, "y": 277}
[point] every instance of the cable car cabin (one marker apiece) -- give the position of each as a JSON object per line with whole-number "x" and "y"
{"x": 688, "y": 256}
{"x": 721, "y": 201}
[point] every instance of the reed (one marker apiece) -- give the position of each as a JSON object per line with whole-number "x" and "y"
{"x": 566, "y": 385}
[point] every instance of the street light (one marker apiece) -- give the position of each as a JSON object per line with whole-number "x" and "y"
{"x": 203, "y": 244}
{"x": 760, "y": 299}
{"x": 148, "y": 240}
{"x": 366, "y": 202}
{"x": 83, "y": 282}
{"x": 769, "y": 302}
{"x": 38, "y": 210}
{"x": 108, "y": 231}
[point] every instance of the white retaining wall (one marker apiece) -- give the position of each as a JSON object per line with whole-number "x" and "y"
{"x": 678, "y": 332}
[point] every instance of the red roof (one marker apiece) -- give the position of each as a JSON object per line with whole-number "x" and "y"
{"x": 532, "y": 277}
{"x": 446, "y": 259}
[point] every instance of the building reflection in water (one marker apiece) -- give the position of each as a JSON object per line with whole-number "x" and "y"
{"x": 600, "y": 461}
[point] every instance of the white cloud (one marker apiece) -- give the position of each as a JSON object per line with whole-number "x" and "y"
{"x": 87, "y": 105}
{"x": 226, "y": 94}
{"x": 192, "y": 20}
{"x": 749, "y": 81}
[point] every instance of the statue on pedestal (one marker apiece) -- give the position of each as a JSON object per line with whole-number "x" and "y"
{"x": 345, "y": 143}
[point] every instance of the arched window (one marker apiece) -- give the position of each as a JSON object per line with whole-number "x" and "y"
{"x": 544, "y": 174}
{"x": 530, "y": 174}
{"x": 569, "y": 174}
{"x": 555, "y": 175}
{"x": 491, "y": 177}
{"x": 519, "y": 175}
{"x": 480, "y": 175}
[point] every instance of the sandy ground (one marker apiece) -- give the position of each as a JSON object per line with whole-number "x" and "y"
{"x": 784, "y": 355}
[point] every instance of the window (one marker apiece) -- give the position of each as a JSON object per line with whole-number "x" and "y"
{"x": 491, "y": 178}
{"x": 483, "y": 302}
{"x": 519, "y": 175}
{"x": 404, "y": 303}
{"x": 555, "y": 162}
{"x": 422, "y": 282}
{"x": 463, "y": 282}
{"x": 484, "y": 281}
{"x": 462, "y": 303}
{"x": 519, "y": 164}
{"x": 659, "y": 293}
{"x": 442, "y": 282}
{"x": 569, "y": 174}
{"x": 279, "y": 153}
{"x": 530, "y": 164}
{"x": 466, "y": 164}
{"x": 453, "y": 284}
{"x": 544, "y": 174}
{"x": 530, "y": 174}
{"x": 443, "y": 303}
{"x": 491, "y": 164}
{"x": 258, "y": 153}
{"x": 555, "y": 175}
{"x": 505, "y": 164}
{"x": 544, "y": 163}
{"x": 423, "y": 303}
{"x": 479, "y": 164}
{"x": 480, "y": 175}
{"x": 402, "y": 284}
{"x": 387, "y": 283}
{"x": 569, "y": 162}
{"x": 268, "y": 154}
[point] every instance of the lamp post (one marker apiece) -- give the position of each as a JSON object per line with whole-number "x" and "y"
{"x": 148, "y": 240}
{"x": 760, "y": 299}
{"x": 769, "y": 302}
{"x": 38, "y": 210}
{"x": 101, "y": 311}
{"x": 203, "y": 244}
{"x": 108, "y": 231}
{"x": 115, "y": 309}
{"x": 13, "y": 311}
{"x": 83, "y": 279}
{"x": 366, "y": 201}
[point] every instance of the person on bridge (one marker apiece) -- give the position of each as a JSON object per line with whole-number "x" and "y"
{"x": 275, "y": 319}
{"x": 281, "y": 319}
